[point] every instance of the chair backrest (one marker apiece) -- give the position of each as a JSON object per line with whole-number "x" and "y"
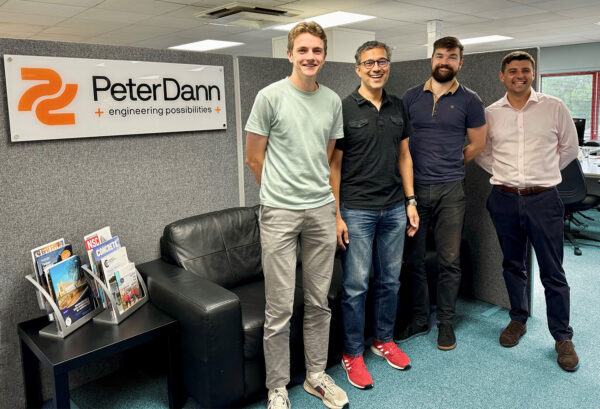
{"x": 572, "y": 189}
{"x": 580, "y": 127}
{"x": 223, "y": 246}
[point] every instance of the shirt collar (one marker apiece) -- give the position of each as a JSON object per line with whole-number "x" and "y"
{"x": 533, "y": 97}
{"x": 428, "y": 87}
{"x": 361, "y": 100}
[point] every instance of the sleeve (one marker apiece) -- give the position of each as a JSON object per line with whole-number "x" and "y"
{"x": 568, "y": 145}
{"x": 261, "y": 116}
{"x": 406, "y": 101}
{"x": 475, "y": 112}
{"x": 485, "y": 159}
{"x": 337, "y": 127}
{"x": 407, "y": 131}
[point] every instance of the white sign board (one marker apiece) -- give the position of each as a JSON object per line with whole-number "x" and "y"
{"x": 59, "y": 98}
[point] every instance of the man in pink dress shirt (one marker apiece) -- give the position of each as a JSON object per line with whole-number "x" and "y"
{"x": 531, "y": 137}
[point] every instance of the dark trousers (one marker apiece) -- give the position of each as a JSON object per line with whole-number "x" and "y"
{"x": 442, "y": 206}
{"x": 539, "y": 218}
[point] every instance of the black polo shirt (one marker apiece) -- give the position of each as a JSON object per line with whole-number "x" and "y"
{"x": 370, "y": 176}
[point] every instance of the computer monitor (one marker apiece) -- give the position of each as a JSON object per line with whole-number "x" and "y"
{"x": 580, "y": 126}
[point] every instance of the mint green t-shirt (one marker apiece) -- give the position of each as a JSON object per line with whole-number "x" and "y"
{"x": 298, "y": 125}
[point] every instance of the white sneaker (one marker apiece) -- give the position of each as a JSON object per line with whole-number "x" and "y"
{"x": 278, "y": 399}
{"x": 325, "y": 389}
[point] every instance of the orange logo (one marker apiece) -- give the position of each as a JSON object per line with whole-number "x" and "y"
{"x": 53, "y": 86}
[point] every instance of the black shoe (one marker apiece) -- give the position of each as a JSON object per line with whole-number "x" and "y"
{"x": 446, "y": 338}
{"x": 412, "y": 330}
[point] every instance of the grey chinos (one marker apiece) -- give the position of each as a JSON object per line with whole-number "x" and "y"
{"x": 279, "y": 233}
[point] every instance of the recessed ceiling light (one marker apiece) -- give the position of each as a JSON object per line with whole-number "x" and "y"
{"x": 337, "y": 18}
{"x": 206, "y": 45}
{"x": 485, "y": 39}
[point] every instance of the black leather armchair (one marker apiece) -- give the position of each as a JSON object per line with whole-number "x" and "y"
{"x": 210, "y": 278}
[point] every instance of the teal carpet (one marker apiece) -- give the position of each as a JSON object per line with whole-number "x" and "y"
{"x": 478, "y": 374}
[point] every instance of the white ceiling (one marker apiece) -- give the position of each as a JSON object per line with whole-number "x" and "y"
{"x": 401, "y": 24}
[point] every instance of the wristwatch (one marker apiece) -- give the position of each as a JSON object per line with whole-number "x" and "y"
{"x": 411, "y": 200}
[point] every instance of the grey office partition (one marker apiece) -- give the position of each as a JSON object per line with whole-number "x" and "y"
{"x": 481, "y": 256}
{"x": 67, "y": 188}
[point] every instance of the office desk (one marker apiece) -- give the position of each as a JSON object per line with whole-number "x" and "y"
{"x": 591, "y": 170}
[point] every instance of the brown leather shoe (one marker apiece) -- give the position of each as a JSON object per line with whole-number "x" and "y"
{"x": 567, "y": 357}
{"x": 511, "y": 334}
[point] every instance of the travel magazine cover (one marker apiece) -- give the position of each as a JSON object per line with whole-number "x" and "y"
{"x": 71, "y": 289}
{"x": 50, "y": 258}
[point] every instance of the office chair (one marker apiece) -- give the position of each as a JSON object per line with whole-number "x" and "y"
{"x": 573, "y": 192}
{"x": 580, "y": 127}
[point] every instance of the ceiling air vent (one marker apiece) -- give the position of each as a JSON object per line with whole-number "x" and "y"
{"x": 247, "y": 15}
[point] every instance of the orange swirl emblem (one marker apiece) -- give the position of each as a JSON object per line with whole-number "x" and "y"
{"x": 51, "y": 87}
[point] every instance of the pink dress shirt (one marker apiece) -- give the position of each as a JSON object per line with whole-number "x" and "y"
{"x": 528, "y": 146}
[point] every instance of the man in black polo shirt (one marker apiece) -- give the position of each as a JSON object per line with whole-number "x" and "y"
{"x": 370, "y": 166}
{"x": 443, "y": 113}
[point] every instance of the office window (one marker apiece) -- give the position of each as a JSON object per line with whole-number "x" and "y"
{"x": 579, "y": 91}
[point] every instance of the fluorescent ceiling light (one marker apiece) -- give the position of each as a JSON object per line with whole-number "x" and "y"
{"x": 337, "y": 18}
{"x": 206, "y": 45}
{"x": 486, "y": 39}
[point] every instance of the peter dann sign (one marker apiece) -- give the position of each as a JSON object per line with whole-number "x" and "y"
{"x": 59, "y": 98}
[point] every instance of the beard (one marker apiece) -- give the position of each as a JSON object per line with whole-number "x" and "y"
{"x": 439, "y": 77}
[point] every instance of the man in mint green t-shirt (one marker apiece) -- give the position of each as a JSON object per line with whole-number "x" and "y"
{"x": 291, "y": 136}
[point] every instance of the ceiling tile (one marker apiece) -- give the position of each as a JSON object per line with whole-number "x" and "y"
{"x": 148, "y": 7}
{"x": 24, "y": 30}
{"x": 509, "y": 12}
{"x": 35, "y": 19}
{"x": 113, "y": 16}
{"x": 35, "y": 7}
{"x": 78, "y": 3}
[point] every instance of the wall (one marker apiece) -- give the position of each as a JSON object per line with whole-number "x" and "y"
{"x": 569, "y": 58}
{"x": 68, "y": 188}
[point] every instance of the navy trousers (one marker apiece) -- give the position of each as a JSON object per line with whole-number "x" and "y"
{"x": 539, "y": 218}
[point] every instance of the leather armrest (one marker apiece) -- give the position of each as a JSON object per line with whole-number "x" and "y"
{"x": 211, "y": 330}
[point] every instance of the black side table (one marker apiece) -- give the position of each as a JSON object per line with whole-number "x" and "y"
{"x": 95, "y": 341}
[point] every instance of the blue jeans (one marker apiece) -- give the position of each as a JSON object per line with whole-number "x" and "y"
{"x": 388, "y": 226}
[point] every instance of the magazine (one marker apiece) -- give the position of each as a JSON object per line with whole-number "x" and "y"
{"x": 129, "y": 288}
{"x": 110, "y": 264}
{"x": 50, "y": 258}
{"x": 35, "y": 253}
{"x": 105, "y": 249}
{"x": 71, "y": 289}
{"x": 92, "y": 240}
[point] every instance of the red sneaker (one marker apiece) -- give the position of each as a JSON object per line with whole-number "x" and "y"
{"x": 357, "y": 371}
{"x": 392, "y": 354}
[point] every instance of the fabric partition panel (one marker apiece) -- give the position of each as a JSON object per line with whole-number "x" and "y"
{"x": 67, "y": 188}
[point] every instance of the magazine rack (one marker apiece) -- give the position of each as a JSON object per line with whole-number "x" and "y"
{"x": 112, "y": 315}
{"x": 58, "y": 328}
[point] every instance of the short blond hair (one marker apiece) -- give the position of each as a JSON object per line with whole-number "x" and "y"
{"x": 306, "y": 27}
